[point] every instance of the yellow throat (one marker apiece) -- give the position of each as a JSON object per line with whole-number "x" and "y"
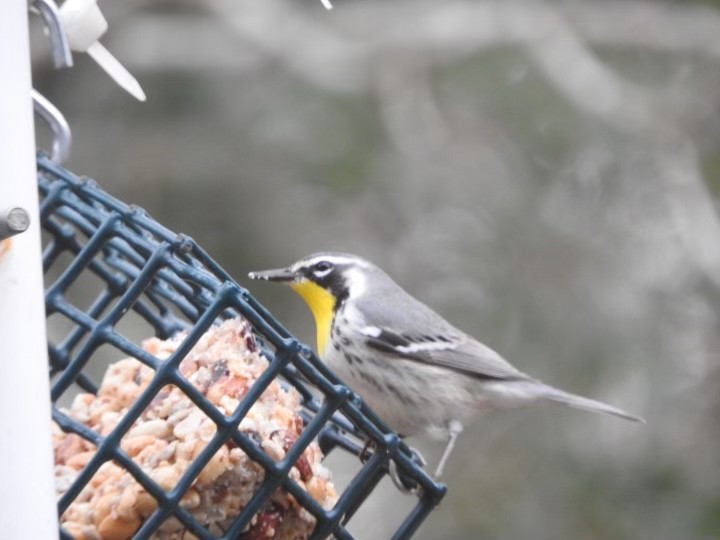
{"x": 322, "y": 305}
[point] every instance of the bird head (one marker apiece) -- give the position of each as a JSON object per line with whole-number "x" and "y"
{"x": 325, "y": 281}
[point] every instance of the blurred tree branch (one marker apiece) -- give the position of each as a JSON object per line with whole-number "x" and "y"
{"x": 416, "y": 36}
{"x": 391, "y": 49}
{"x": 318, "y": 44}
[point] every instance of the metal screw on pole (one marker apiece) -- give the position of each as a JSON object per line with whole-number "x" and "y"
{"x": 13, "y": 221}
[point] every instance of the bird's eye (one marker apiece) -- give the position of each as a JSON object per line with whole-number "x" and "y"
{"x": 323, "y": 266}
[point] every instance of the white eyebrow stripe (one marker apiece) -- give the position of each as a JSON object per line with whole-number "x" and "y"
{"x": 334, "y": 259}
{"x": 426, "y": 346}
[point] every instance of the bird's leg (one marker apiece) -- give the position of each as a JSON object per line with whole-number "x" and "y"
{"x": 454, "y": 429}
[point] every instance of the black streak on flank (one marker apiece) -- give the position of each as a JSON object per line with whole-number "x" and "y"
{"x": 402, "y": 396}
{"x": 371, "y": 381}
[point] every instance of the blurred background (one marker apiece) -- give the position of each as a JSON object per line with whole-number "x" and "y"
{"x": 544, "y": 174}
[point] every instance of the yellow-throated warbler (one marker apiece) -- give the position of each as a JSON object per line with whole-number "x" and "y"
{"x": 419, "y": 373}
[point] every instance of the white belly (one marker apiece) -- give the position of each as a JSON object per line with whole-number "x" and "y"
{"x": 410, "y": 397}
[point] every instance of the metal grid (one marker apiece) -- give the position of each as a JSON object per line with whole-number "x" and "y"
{"x": 172, "y": 284}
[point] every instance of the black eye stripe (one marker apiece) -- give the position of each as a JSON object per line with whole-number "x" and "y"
{"x": 329, "y": 276}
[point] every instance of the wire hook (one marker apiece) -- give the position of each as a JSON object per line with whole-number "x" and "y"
{"x": 62, "y": 138}
{"x": 62, "y": 57}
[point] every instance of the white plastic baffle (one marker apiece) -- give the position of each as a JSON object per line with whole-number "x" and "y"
{"x": 28, "y": 509}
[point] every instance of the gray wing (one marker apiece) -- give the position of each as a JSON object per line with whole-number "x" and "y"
{"x": 460, "y": 353}
{"x": 409, "y": 329}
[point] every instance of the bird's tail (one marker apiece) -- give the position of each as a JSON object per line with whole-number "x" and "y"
{"x": 579, "y": 402}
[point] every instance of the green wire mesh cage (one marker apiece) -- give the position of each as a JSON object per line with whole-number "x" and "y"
{"x": 167, "y": 443}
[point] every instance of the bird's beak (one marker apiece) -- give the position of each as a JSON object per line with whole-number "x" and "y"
{"x": 283, "y": 275}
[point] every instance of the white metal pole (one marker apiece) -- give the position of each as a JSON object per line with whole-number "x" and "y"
{"x": 28, "y": 508}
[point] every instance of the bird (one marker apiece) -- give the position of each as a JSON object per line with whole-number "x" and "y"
{"x": 417, "y": 371}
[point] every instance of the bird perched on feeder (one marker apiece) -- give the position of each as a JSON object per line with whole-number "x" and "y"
{"x": 418, "y": 372}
